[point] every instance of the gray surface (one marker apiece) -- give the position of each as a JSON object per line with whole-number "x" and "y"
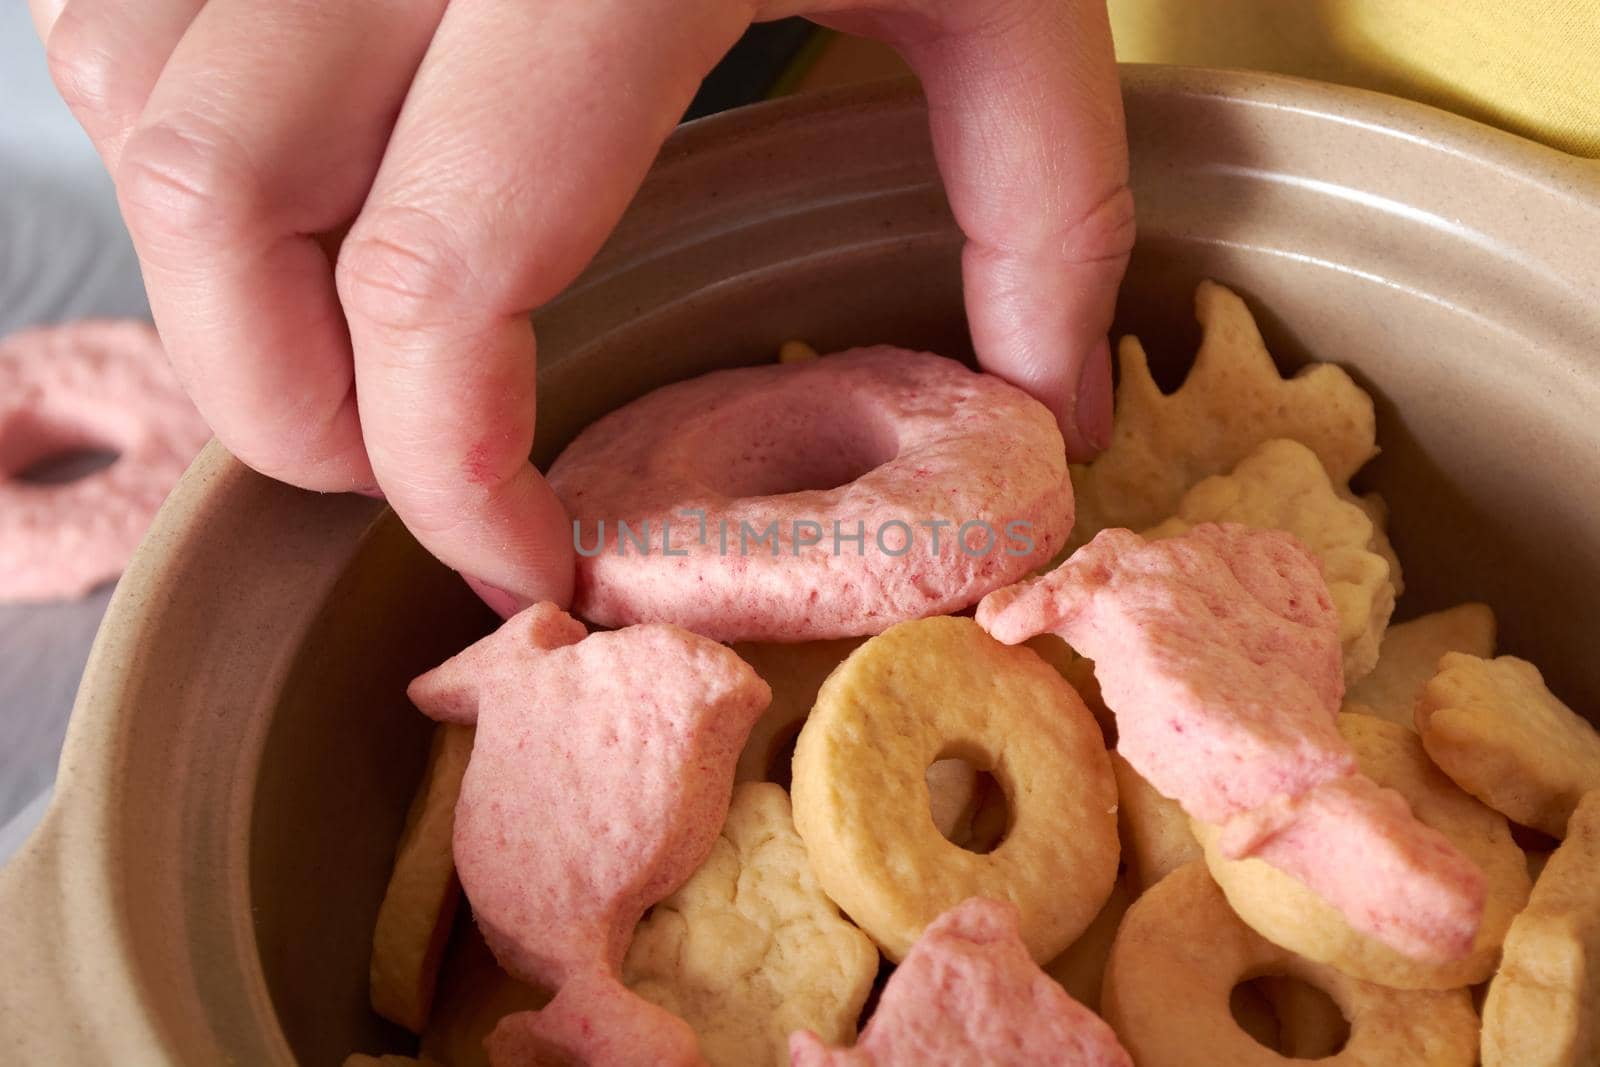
{"x": 63, "y": 255}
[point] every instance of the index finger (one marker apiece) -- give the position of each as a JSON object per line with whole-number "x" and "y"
{"x": 487, "y": 204}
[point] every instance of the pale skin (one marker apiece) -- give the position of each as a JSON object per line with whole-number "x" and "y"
{"x": 479, "y": 151}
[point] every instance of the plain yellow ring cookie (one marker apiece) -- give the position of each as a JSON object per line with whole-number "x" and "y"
{"x": 1181, "y": 950}
{"x": 940, "y": 688}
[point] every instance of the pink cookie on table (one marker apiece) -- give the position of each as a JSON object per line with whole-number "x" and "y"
{"x": 600, "y": 775}
{"x": 968, "y": 992}
{"x": 86, "y": 386}
{"x": 1218, "y": 651}
{"x": 906, "y": 449}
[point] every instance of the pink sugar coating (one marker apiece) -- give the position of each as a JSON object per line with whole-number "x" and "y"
{"x": 1358, "y": 847}
{"x": 1221, "y": 658}
{"x": 86, "y": 385}
{"x": 600, "y": 776}
{"x": 914, "y": 438}
{"x": 597, "y": 1020}
{"x": 969, "y": 993}
{"x": 1218, "y": 651}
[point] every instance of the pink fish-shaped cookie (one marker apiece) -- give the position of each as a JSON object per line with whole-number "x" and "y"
{"x": 969, "y": 993}
{"x": 600, "y": 775}
{"x": 1218, "y": 651}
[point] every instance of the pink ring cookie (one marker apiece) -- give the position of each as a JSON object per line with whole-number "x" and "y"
{"x": 828, "y": 498}
{"x": 88, "y": 385}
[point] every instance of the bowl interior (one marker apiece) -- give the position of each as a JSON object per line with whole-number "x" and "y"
{"x": 1445, "y": 266}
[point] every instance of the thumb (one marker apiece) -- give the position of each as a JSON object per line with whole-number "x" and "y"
{"x": 1026, "y": 113}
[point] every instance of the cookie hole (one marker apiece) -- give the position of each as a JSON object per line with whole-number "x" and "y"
{"x": 796, "y": 445}
{"x": 61, "y": 468}
{"x": 968, "y": 804}
{"x": 1292, "y": 1018}
{"x": 38, "y": 450}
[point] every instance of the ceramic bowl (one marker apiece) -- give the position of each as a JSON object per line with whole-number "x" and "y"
{"x": 242, "y": 752}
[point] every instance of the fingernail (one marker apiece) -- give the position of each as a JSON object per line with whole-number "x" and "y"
{"x": 502, "y": 603}
{"x": 1092, "y": 411}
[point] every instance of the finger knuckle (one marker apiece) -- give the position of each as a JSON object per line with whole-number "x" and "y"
{"x": 283, "y": 459}
{"x": 186, "y": 180}
{"x": 309, "y": 439}
{"x": 1001, "y": 18}
{"x": 432, "y": 509}
{"x": 81, "y": 63}
{"x": 438, "y": 481}
{"x": 1104, "y": 231}
{"x": 403, "y": 269}
{"x": 992, "y": 20}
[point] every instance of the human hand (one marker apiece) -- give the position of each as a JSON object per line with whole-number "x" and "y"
{"x": 480, "y": 152}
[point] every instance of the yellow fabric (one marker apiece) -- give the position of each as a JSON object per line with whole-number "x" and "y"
{"x": 1529, "y": 66}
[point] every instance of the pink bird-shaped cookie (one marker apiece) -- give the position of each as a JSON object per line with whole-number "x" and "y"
{"x": 1218, "y": 651}
{"x": 969, "y": 993}
{"x": 600, "y": 774}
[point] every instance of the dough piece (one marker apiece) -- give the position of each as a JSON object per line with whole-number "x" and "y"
{"x": 749, "y": 948}
{"x": 1282, "y": 486}
{"x": 1156, "y": 839}
{"x": 942, "y": 687}
{"x": 796, "y": 352}
{"x": 1232, "y": 400}
{"x": 1506, "y": 739}
{"x": 1543, "y": 1007}
{"x": 1410, "y": 654}
{"x": 1080, "y": 969}
{"x": 1180, "y": 952}
{"x": 419, "y": 904}
{"x": 1377, "y": 510}
{"x": 1079, "y": 673}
